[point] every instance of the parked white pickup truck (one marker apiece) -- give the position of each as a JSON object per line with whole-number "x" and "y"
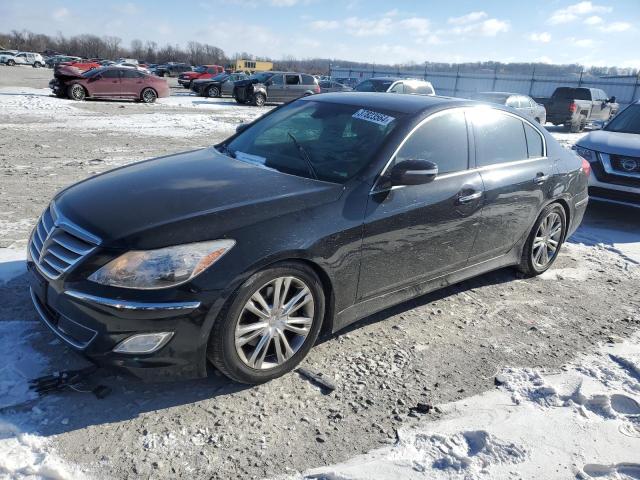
{"x": 23, "y": 58}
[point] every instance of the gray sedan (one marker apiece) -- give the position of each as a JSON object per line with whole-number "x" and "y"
{"x": 523, "y": 103}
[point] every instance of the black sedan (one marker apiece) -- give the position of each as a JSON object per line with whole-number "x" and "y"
{"x": 321, "y": 212}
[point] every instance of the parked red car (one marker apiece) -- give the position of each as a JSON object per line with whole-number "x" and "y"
{"x": 201, "y": 72}
{"x": 82, "y": 65}
{"x": 108, "y": 82}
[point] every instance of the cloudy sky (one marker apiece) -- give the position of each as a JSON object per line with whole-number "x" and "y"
{"x": 600, "y": 32}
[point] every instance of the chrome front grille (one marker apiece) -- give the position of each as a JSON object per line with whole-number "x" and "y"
{"x": 54, "y": 248}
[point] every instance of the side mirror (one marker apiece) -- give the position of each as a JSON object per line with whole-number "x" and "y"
{"x": 242, "y": 127}
{"x": 413, "y": 172}
{"x": 612, "y": 99}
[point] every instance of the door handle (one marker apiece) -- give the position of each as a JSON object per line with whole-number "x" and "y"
{"x": 470, "y": 197}
{"x": 541, "y": 178}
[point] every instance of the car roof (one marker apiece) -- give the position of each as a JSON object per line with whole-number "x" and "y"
{"x": 410, "y": 104}
{"x": 387, "y": 79}
{"x": 500, "y": 94}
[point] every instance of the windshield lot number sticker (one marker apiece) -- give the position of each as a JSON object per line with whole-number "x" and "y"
{"x": 374, "y": 117}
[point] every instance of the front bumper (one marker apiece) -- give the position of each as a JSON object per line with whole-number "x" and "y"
{"x": 94, "y": 325}
{"x": 606, "y": 184}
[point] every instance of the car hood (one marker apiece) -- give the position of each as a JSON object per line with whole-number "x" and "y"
{"x": 68, "y": 71}
{"x": 186, "y": 197}
{"x": 615, "y": 143}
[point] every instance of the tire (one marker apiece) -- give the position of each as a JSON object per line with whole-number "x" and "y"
{"x": 242, "y": 363}
{"x": 187, "y": 86}
{"x": 241, "y": 102}
{"x": 528, "y": 264}
{"x": 76, "y": 92}
{"x": 259, "y": 99}
{"x": 212, "y": 92}
{"x": 11, "y": 63}
{"x": 148, "y": 95}
{"x": 37, "y": 64}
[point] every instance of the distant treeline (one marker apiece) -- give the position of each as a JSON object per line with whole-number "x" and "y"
{"x": 196, "y": 53}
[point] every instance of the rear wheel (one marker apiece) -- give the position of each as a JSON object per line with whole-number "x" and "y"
{"x": 148, "y": 95}
{"x": 37, "y": 65}
{"x": 259, "y": 99}
{"x": 271, "y": 324}
{"x": 544, "y": 242}
{"x": 213, "y": 91}
{"x": 76, "y": 92}
{"x": 187, "y": 85}
{"x": 11, "y": 63}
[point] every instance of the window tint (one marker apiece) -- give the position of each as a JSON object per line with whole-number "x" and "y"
{"x": 534, "y": 141}
{"x": 326, "y": 84}
{"x": 131, "y": 74}
{"x": 111, "y": 73}
{"x": 292, "y": 79}
{"x": 499, "y": 137}
{"x": 366, "y": 86}
{"x": 277, "y": 80}
{"x": 308, "y": 80}
{"x": 441, "y": 140}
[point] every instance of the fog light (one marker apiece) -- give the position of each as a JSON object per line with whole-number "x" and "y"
{"x": 143, "y": 343}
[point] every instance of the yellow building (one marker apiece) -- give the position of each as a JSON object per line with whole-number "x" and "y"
{"x": 252, "y": 66}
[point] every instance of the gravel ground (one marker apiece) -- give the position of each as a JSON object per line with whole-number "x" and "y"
{"x": 439, "y": 348}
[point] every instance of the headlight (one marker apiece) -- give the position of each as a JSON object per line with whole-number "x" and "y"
{"x": 589, "y": 155}
{"x": 161, "y": 268}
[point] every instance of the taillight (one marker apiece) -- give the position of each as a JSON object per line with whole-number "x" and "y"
{"x": 586, "y": 167}
{"x": 317, "y": 89}
{"x": 572, "y": 107}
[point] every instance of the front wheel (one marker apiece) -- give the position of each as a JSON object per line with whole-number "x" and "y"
{"x": 259, "y": 99}
{"x": 148, "y": 95}
{"x": 76, "y": 92}
{"x": 213, "y": 92}
{"x": 270, "y": 326}
{"x": 37, "y": 65}
{"x": 544, "y": 242}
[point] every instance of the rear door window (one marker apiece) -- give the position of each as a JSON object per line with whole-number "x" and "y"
{"x": 442, "y": 140}
{"x": 111, "y": 73}
{"x": 308, "y": 80}
{"x": 398, "y": 88}
{"x": 499, "y": 137}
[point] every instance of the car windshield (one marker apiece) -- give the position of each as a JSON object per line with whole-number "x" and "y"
{"x": 373, "y": 86}
{"x": 220, "y": 76}
{"x": 261, "y": 77}
{"x": 627, "y": 121}
{"x": 327, "y": 141}
{"x": 200, "y": 69}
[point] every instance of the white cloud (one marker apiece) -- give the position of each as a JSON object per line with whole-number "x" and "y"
{"x": 581, "y": 42}
{"x": 594, "y": 20}
{"x": 417, "y": 26}
{"x": 542, "y": 37}
{"x": 487, "y": 28}
{"x": 361, "y": 27}
{"x": 573, "y": 12}
{"x": 61, "y": 13}
{"x": 468, "y": 18}
{"x": 325, "y": 24}
{"x": 283, "y": 3}
{"x": 615, "y": 27}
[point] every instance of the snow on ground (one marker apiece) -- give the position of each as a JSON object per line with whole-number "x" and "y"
{"x": 12, "y": 264}
{"x": 22, "y": 455}
{"x": 31, "y": 101}
{"x": 580, "y": 422}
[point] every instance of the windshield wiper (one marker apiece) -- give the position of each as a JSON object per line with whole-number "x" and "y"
{"x": 226, "y": 150}
{"x": 304, "y": 156}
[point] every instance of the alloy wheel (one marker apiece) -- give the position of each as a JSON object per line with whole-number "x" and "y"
{"x": 148, "y": 96}
{"x": 274, "y": 323}
{"x": 77, "y": 92}
{"x": 547, "y": 240}
{"x": 213, "y": 92}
